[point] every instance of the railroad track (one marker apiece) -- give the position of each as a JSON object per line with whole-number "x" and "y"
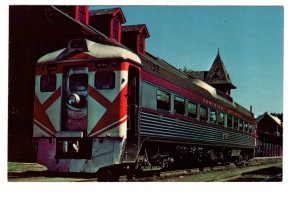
{"x": 218, "y": 173}
{"x": 273, "y": 178}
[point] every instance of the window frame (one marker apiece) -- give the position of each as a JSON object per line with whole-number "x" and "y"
{"x": 235, "y": 123}
{"x": 241, "y": 125}
{"x": 201, "y": 107}
{"x": 141, "y": 43}
{"x": 82, "y": 14}
{"x": 70, "y": 81}
{"x": 219, "y": 113}
{"x": 115, "y": 28}
{"x": 250, "y": 128}
{"x": 246, "y": 127}
{"x": 231, "y": 119}
{"x": 188, "y": 110}
{"x": 48, "y": 88}
{"x": 105, "y": 74}
{"x": 157, "y": 100}
{"x": 211, "y": 110}
{"x": 182, "y": 110}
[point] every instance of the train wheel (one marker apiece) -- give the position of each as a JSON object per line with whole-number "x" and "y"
{"x": 201, "y": 168}
{"x": 157, "y": 174}
{"x": 246, "y": 157}
{"x": 239, "y": 160}
{"x": 130, "y": 177}
{"x": 108, "y": 175}
{"x": 201, "y": 165}
{"x": 130, "y": 174}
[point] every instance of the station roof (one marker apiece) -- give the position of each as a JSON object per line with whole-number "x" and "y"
{"x": 111, "y": 11}
{"x": 136, "y": 28}
{"x": 266, "y": 114}
{"x": 218, "y": 73}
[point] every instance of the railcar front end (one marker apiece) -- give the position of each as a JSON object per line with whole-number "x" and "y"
{"x": 85, "y": 107}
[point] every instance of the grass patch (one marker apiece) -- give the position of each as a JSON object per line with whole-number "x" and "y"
{"x": 23, "y": 167}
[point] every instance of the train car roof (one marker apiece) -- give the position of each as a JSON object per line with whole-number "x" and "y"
{"x": 93, "y": 49}
{"x": 172, "y": 74}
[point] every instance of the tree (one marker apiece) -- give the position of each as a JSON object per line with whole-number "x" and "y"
{"x": 185, "y": 70}
{"x": 279, "y": 115}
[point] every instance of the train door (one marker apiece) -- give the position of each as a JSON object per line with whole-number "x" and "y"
{"x": 75, "y": 93}
{"x": 133, "y": 105}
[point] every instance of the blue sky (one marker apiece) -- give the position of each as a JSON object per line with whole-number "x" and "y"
{"x": 250, "y": 41}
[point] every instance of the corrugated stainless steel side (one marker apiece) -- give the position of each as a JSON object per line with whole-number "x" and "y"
{"x": 156, "y": 125}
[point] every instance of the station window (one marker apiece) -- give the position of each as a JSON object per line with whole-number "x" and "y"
{"x": 235, "y": 123}
{"x": 82, "y": 14}
{"x": 115, "y": 29}
{"x": 212, "y": 116}
{"x": 163, "y": 100}
{"x": 179, "y": 105}
{"x": 203, "y": 113}
{"x": 221, "y": 119}
{"x": 141, "y": 44}
{"x": 229, "y": 121}
{"x": 48, "y": 83}
{"x": 241, "y": 126}
{"x": 78, "y": 82}
{"x": 192, "y": 110}
{"x": 105, "y": 80}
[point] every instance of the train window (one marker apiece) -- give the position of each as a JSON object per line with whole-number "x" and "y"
{"x": 212, "y": 116}
{"x": 229, "y": 121}
{"x": 241, "y": 126}
{"x": 250, "y": 128}
{"x": 48, "y": 83}
{"x": 105, "y": 80}
{"x": 235, "y": 123}
{"x": 179, "y": 105}
{"x": 163, "y": 100}
{"x": 221, "y": 117}
{"x": 246, "y": 127}
{"x": 78, "y": 82}
{"x": 203, "y": 113}
{"x": 192, "y": 110}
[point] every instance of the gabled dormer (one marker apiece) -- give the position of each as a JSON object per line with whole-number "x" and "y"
{"x": 134, "y": 37}
{"x": 108, "y": 21}
{"x": 218, "y": 76}
{"x": 79, "y": 13}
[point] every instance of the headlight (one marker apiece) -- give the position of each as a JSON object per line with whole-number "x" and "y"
{"x": 73, "y": 99}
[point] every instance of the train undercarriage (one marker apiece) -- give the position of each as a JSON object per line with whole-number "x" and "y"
{"x": 156, "y": 157}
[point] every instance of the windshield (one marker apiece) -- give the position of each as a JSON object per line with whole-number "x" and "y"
{"x": 78, "y": 82}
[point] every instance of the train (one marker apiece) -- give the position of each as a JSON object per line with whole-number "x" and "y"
{"x": 104, "y": 110}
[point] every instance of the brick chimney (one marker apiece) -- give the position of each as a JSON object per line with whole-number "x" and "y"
{"x": 134, "y": 37}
